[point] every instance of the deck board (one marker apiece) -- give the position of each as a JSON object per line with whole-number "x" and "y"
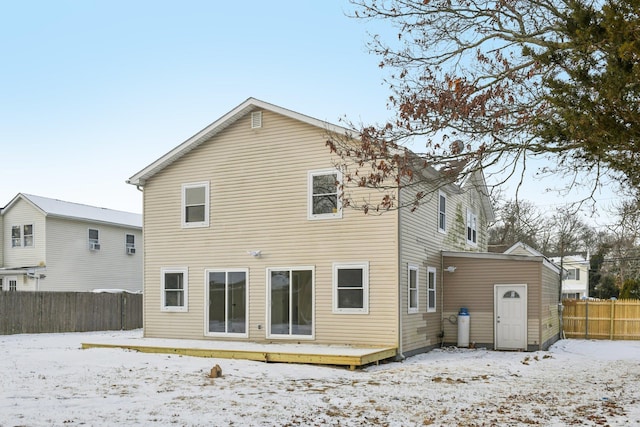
{"x": 351, "y": 356}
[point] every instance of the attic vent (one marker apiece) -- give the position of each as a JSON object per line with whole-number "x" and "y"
{"x": 256, "y": 119}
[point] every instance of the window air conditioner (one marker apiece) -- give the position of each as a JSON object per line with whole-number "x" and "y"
{"x": 94, "y": 246}
{"x": 131, "y": 251}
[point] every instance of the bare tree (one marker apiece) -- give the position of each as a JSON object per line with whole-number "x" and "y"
{"x": 479, "y": 85}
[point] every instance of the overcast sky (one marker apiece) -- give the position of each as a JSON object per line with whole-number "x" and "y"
{"x": 91, "y": 92}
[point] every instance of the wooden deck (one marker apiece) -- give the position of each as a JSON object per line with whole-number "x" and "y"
{"x": 350, "y": 356}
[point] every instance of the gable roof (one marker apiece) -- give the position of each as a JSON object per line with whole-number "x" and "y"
{"x": 62, "y": 209}
{"x": 248, "y": 106}
{"x": 524, "y": 247}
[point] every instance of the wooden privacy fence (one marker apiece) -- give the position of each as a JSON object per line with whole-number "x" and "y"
{"x": 40, "y": 312}
{"x": 602, "y": 319}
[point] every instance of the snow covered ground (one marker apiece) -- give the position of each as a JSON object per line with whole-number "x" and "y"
{"x": 47, "y": 380}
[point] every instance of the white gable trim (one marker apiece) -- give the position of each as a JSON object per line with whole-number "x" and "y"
{"x": 222, "y": 123}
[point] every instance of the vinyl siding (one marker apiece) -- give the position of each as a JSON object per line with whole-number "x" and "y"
{"x": 61, "y": 245}
{"x": 420, "y": 245}
{"x": 549, "y": 315}
{"x": 472, "y": 286}
{"x": 23, "y": 213}
{"x": 71, "y": 266}
{"x": 1, "y": 239}
{"x": 258, "y": 194}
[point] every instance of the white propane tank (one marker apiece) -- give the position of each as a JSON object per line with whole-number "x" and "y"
{"x": 463, "y": 327}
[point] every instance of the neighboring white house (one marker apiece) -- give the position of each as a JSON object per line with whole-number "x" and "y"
{"x": 52, "y": 245}
{"x": 575, "y": 283}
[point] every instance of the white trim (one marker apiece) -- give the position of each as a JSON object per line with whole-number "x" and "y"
{"x": 411, "y": 268}
{"x": 321, "y": 172}
{"x": 442, "y": 194}
{"x": 269, "y": 335}
{"x": 251, "y": 104}
{"x": 364, "y": 265}
{"x": 435, "y": 290}
{"x": 183, "y": 206}
{"x": 207, "y": 297}
{"x": 185, "y": 278}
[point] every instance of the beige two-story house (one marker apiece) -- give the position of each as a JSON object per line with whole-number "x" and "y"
{"x": 246, "y": 239}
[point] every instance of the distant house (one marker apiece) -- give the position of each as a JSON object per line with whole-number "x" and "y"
{"x": 52, "y": 245}
{"x": 575, "y": 280}
{"x": 246, "y": 240}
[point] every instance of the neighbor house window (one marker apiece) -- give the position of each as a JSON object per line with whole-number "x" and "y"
{"x": 195, "y": 204}
{"x": 290, "y": 302}
{"x": 27, "y": 235}
{"x": 351, "y": 288}
{"x": 472, "y": 227}
{"x": 16, "y": 237}
{"x": 130, "y": 243}
{"x": 94, "y": 239}
{"x": 442, "y": 212}
{"x": 413, "y": 289}
{"x": 324, "y": 199}
{"x": 431, "y": 289}
{"x": 573, "y": 274}
{"x": 228, "y": 301}
{"x": 174, "y": 289}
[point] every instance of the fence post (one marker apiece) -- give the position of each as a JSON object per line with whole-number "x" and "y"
{"x": 613, "y": 310}
{"x": 586, "y": 319}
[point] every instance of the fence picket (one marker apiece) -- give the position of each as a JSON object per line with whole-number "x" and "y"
{"x": 41, "y": 312}
{"x": 602, "y": 319}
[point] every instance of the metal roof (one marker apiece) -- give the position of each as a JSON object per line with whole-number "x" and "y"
{"x": 62, "y": 209}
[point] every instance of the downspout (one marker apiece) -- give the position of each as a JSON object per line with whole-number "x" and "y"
{"x": 441, "y": 299}
{"x": 400, "y": 355}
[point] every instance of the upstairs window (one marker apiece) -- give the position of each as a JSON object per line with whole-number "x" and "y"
{"x": 573, "y": 274}
{"x": 324, "y": 200}
{"x": 195, "y": 205}
{"x": 27, "y": 235}
{"x": 94, "y": 239}
{"x": 442, "y": 212}
{"x": 16, "y": 237}
{"x": 472, "y": 228}
{"x": 130, "y": 244}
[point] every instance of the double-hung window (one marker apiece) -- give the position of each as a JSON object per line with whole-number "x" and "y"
{"x": 195, "y": 205}
{"x": 27, "y": 235}
{"x": 324, "y": 198}
{"x": 573, "y": 274}
{"x": 94, "y": 239}
{"x": 351, "y": 288}
{"x": 442, "y": 212}
{"x": 130, "y": 243}
{"x": 174, "y": 282}
{"x": 472, "y": 227}
{"x": 413, "y": 288}
{"x": 16, "y": 236}
{"x": 431, "y": 289}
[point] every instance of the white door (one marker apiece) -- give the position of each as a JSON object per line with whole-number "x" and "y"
{"x": 510, "y": 309}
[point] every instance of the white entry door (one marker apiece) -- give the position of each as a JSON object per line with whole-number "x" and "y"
{"x": 510, "y": 310}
